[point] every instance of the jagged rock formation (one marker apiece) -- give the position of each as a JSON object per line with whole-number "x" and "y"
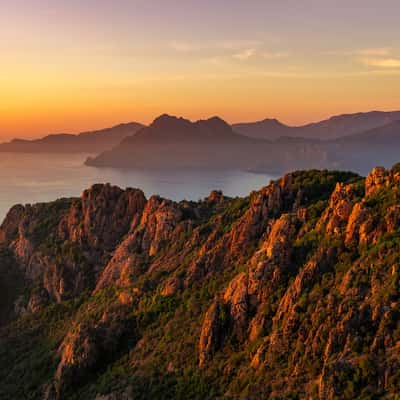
{"x": 292, "y": 292}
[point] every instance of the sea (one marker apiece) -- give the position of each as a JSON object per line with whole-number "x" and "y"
{"x": 33, "y": 178}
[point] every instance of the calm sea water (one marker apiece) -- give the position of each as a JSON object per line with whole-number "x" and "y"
{"x": 32, "y": 178}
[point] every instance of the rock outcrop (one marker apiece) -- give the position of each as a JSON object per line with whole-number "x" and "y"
{"x": 87, "y": 346}
{"x": 102, "y": 216}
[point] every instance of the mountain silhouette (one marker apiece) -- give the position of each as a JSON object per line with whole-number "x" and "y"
{"x": 85, "y": 142}
{"x": 332, "y": 128}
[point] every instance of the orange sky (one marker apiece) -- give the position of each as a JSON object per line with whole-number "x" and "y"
{"x": 68, "y": 67}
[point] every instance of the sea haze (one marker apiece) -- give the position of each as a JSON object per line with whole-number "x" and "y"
{"x": 32, "y": 178}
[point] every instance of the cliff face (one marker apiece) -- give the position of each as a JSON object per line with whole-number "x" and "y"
{"x": 292, "y": 292}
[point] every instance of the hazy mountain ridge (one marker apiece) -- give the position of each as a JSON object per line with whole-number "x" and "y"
{"x": 353, "y": 141}
{"x": 332, "y": 128}
{"x": 291, "y": 292}
{"x": 91, "y": 141}
{"x": 172, "y": 143}
{"x": 361, "y": 151}
{"x": 385, "y": 134}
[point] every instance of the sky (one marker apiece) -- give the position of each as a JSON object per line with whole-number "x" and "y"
{"x": 69, "y": 66}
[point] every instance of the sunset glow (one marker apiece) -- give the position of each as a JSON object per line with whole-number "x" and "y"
{"x": 68, "y": 66}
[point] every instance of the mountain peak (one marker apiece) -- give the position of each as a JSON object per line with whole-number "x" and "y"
{"x": 269, "y": 128}
{"x": 166, "y": 121}
{"x": 171, "y": 127}
{"x": 272, "y": 121}
{"x": 216, "y": 119}
{"x": 216, "y": 123}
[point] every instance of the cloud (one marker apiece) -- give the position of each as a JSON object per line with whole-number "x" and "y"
{"x": 383, "y": 62}
{"x": 184, "y": 46}
{"x": 378, "y": 57}
{"x": 237, "y": 44}
{"x": 275, "y": 55}
{"x": 367, "y": 52}
{"x": 245, "y": 54}
{"x": 227, "y": 49}
{"x": 382, "y": 51}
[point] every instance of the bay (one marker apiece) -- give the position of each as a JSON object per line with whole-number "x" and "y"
{"x": 32, "y": 178}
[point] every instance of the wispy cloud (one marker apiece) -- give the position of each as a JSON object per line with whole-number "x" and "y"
{"x": 382, "y": 51}
{"x": 378, "y": 57}
{"x": 237, "y": 44}
{"x": 270, "y": 55}
{"x": 244, "y": 54}
{"x": 382, "y": 62}
{"x": 377, "y": 52}
{"x": 220, "y": 50}
{"x": 186, "y": 46}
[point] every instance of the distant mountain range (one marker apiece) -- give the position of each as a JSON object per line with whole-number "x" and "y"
{"x": 85, "y": 142}
{"x": 332, "y": 128}
{"x": 353, "y": 141}
{"x": 171, "y": 142}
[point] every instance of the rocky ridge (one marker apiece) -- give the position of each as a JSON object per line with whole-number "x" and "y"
{"x": 291, "y": 292}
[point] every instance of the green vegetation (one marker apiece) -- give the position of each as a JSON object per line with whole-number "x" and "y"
{"x": 28, "y": 350}
{"x": 12, "y": 284}
{"x": 317, "y": 185}
{"x": 48, "y": 216}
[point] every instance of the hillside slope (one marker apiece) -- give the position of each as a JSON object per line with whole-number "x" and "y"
{"x": 291, "y": 292}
